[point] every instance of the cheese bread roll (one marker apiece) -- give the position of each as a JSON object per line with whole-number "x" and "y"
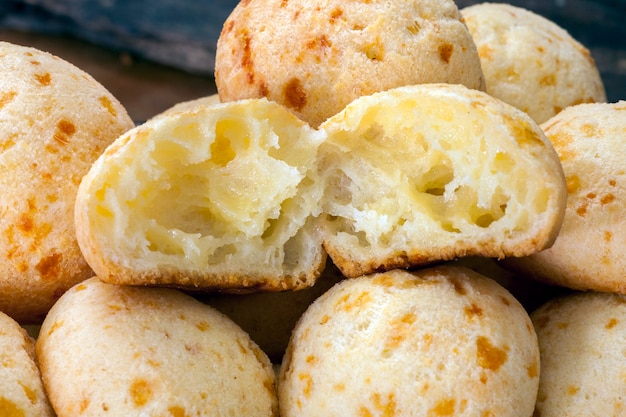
{"x": 317, "y": 56}
{"x": 121, "y": 351}
{"x": 431, "y": 172}
{"x": 55, "y": 120}
{"x": 531, "y": 62}
{"x": 220, "y": 196}
{"x": 437, "y": 342}
{"x": 589, "y": 252}
{"x": 581, "y": 340}
{"x": 21, "y": 389}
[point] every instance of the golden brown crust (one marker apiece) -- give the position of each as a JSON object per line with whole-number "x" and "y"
{"x": 581, "y": 341}
{"x": 21, "y": 389}
{"x": 589, "y": 252}
{"x": 56, "y": 120}
{"x": 315, "y": 57}
{"x": 531, "y": 62}
{"x": 439, "y": 341}
{"x": 149, "y": 351}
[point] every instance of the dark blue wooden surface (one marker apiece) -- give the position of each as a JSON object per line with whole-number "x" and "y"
{"x": 183, "y": 33}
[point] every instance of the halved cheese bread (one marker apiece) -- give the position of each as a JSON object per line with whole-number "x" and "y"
{"x": 432, "y": 172}
{"x": 221, "y": 196}
{"x": 243, "y": 195}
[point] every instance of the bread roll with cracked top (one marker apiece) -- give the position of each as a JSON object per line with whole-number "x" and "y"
{"x": 440, "y": 341}
{"x": 432, "y": 172}
{"x": 22, "y": 392}
{"x": 121, "y": 351}
{"x": 589, "y": 252}
{"x": 581, "y": 340}
{"x": 55, "y": 120}
{"x": 531, "y": 62}
{"x": 220, "y": 196}
{"x": 315, "y": 57}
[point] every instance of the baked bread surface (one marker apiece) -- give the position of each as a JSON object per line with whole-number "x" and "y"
{"x": 55, "y": 120}
{"x": 118, "y": 350}
{"x": 439, "y": 341}
{"x": 531, "y": 62}
{"x": 315, "y": 57}
{"x": 22, "y": 392}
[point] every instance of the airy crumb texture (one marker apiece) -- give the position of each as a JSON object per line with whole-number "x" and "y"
{"x": 581, "y": 339}
{"x": 317, "y": 56}
{"x": 530, "y": 62}
{"x": 21, "y": 389}
{"x": 220, "y": 196}
{"x": 439, "y": 342}
{"x": 589, "y": 253}
{"x": 55, "y": 120}
{"x": 244, "y": 196}
{"x": 431, "y": 172}
{"x": 121, "y": 351}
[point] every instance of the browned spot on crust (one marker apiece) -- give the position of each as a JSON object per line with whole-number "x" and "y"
{"x": 444, "y": 407}
{"x": 473, "y": 311}
{"x": 140, "y": 392}
{"x": 612, "y": 323}
{"x": 7, "y": 97}
{"x": 50, "y": 266}
{"x": 445, "y": 52}
{"x": 607, "y": 199}
{"x": 43, "y": 79}
{"x": 335, "y": 14}
{"x": 489, "y": 356}
{"x": 107, "y": 104}
{"x": 295, "y": 95}
{"x": 247, "y": 63}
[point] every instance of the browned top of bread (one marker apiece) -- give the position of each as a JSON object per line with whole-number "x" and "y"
{"x": 317, "y": 56}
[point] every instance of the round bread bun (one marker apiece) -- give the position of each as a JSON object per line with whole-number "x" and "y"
{"x": 589, "y": 252}
{"x": 431, "y": 172}
{"x": 219, "y": 196}
{"x": 317, "y": 56}
{"x": 440, "y": 341}
{"x": 581, "y": 340}
{"x": 120, "y": 351}
{"x": 55, "y": 120}
{"x": 531, "y": 62}
{"x": 269, "y": 317}
{"x": 21, "y": 390}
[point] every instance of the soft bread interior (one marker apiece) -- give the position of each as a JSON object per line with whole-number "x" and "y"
{"x": 202, "y": 196}
{"x": 432, "y": 172}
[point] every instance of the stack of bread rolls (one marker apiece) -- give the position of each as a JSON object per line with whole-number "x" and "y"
{"x": 368, "y": 219}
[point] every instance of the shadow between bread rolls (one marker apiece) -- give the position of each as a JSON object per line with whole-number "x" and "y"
{"x": 244, "y": 196}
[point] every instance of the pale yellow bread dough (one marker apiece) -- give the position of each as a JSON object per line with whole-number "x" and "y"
{"x": 531, "y": 62}
{"x": 317, "y": 56}
{"x": 120, "y": 351}
{"x": 440, "y": 341}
